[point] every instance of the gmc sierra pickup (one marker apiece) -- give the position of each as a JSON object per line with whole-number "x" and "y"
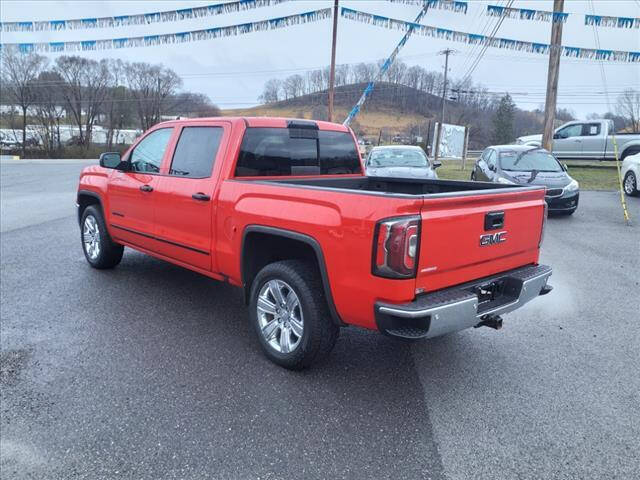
{"x": 281, "y": 208}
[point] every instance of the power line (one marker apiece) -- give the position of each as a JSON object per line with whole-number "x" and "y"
{"x": 486, "y": 46}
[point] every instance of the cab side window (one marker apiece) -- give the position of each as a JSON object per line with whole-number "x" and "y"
{"x": 196, "y": 151}
{"x": 148, "y": 154}
{"x": 491, "y": 159}
{"x": 570, "y": 131}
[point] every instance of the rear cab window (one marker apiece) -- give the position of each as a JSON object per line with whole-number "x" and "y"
{"x": 293, "y": 152}
{"x": 590, "y": 129}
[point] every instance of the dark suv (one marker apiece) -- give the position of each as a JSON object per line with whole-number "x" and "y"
{"x": 527, "y": 165}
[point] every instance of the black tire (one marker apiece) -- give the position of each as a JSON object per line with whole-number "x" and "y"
{"x": 109, "y": 253}
{"x": 319, "y": 333}
{"x": 633, "y": 191}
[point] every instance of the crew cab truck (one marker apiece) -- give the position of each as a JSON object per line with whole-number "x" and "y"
{"x": 591, "y": 140}
{"x": 281, "y": 208}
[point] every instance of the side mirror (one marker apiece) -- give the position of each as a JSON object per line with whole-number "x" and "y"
{"x": 437, "y": 164}
{"x": 492, "y": 167}
{"x": 111, "y": 160}
{"x": 556, "y": 136}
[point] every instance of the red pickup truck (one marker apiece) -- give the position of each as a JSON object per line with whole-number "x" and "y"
{"x": 281, "y": 208}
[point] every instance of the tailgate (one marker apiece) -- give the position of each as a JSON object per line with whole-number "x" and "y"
{"x": 464, "y": 238}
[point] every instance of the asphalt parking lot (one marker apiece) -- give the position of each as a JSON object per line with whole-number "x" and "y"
{"x": 150, "y": 371}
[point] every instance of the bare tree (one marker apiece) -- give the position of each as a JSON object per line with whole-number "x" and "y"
{"x": 49, "y": 110}
{"x": 85, "y": 90}
{"x": 19, "y": 71}
{"x": 115, "y": 104}
{"x": 152, "y": 87}
{"x": 272, "y": 91}
{"x": 316, "y": 81}
{"x": 294, "y": 86}
{"x": 629, "y": 108}
{"x": 342, "y": 74}
{"x": 193, "y": 105}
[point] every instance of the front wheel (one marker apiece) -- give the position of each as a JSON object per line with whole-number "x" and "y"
{"x": 631, "y": 184}
{"x": 99, "y": 249}
{"x": 290, "y": 315}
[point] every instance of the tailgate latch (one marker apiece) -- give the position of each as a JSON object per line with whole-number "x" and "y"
{"x": 493, "y": 220}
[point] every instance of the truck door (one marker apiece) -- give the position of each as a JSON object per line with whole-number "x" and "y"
{"x": 185, "y": 204}
{"x": 593, "y": 140}
{"x": 567, "y": 142}
{"x": 131, "y": 193}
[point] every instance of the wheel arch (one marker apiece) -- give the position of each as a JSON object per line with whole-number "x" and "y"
{"x": 86, "y": 198}
{"x": 630, "y": 149}
{"x": 262, "y": 245}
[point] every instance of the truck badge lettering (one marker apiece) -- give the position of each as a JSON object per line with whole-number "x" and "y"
{"x": 492, "y": 238}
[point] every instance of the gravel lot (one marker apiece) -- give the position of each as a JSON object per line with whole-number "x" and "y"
{"x": 150, "y": 371}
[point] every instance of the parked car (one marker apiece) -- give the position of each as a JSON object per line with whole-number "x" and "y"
{"x": 590, "y": 140}
{"x": 631, "y": 175}
{"x": 397, "y": 161}
{"x": 526, "y": 165}
{"x": 8, "y": 140}
{"x": 281, "y": 209}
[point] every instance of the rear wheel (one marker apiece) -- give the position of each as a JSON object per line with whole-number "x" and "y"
{"x": 290, "y": 315}
{"x": 630, "y": 184}
{"x": 99, "y": 249}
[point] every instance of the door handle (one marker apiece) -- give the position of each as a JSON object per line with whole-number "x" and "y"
{"x": 146, "y": 188}
{"x": 201, "y": 197}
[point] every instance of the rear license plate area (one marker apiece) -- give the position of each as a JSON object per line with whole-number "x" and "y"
{"x": 496, "y": 293}
{"x": 489, "y": 292}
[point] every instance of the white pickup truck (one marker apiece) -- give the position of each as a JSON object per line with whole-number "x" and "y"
{"x": 590, "y": 140}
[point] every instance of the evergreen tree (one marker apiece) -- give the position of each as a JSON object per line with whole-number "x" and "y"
{"x": 503, "y": 121}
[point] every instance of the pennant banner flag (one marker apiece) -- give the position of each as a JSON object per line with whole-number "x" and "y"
{"x": 526, "y": 14}
{"x": 495, "y": 42}
{"x": 617, "y": 22}
{"x": 454, "y": 6}
{"x": 139, "y": 19}
{"x": 170, "y": 38}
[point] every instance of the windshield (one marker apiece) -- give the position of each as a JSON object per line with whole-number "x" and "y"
{"x": 398, "y": 157}
{"x": 528, "y": 161}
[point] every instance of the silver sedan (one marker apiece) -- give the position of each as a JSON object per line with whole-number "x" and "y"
{"x": 400, "y": 161}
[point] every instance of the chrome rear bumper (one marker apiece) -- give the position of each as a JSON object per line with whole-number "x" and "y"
{"x": 463, "y": 306}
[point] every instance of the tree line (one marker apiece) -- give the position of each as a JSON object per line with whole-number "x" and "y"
{"x": 492, "y": 117}
{"x": 84, "y": 93}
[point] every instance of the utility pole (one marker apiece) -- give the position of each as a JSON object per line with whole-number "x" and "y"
{"x": 552, "y": 76}
{"x": 332, "y": 73}
{"x": 446, "y": 54}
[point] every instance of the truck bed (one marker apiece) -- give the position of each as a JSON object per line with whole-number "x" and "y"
{"x": 403, "y": 187}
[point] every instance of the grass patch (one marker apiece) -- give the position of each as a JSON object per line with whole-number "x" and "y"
{"x": 589, "y": 178}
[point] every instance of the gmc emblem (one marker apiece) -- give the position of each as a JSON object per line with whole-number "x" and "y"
{"x": 492, "y": 238}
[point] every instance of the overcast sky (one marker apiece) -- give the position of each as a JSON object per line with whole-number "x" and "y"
{"x": 233, "y": 70}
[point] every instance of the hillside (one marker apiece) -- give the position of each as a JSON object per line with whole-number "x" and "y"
{"x": 396, "y": 108}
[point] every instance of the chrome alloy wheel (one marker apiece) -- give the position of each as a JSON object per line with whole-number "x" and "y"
{"x": 91, "y": 237}
{"x": 280, "y": 316}
{"x": 630, "y": 184}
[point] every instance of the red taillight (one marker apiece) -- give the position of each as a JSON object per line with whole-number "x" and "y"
{"x": 396, "y": 247}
